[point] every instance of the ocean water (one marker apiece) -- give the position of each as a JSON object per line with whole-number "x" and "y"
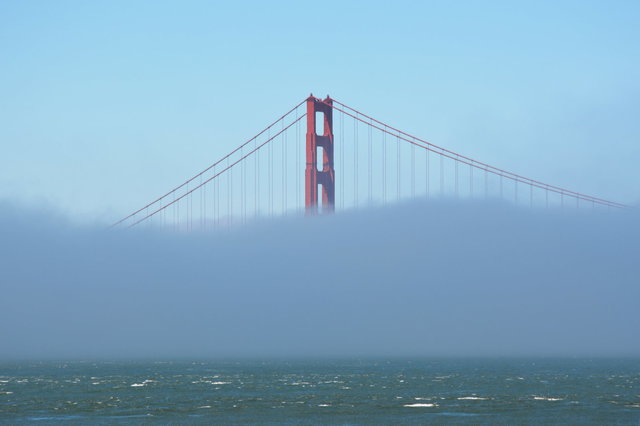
{"x": 400, "y": 391}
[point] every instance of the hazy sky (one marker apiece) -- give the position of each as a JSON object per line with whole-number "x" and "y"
{"x": 421, "y": 279}
{"x": 104, "y": 105}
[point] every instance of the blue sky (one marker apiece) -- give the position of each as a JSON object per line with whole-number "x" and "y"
{"x": 105, "y": 105}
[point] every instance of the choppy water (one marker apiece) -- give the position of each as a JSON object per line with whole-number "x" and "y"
{"x": 480, "y": 391}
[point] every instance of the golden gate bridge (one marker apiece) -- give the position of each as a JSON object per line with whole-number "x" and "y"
{"x": 267, "y": 176}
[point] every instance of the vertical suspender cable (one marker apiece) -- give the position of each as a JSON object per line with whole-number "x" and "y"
{"x": 530, "y": 195}
{"x": 216, "y": 200}
{"x": 286, "y": 163}
{"x": 456, "y": 180}
{"x": 186, "y": 205}
{"x": 471, "y": 179}
{"x": 486, "y": 183}
{"x": 546, "y": 196}
{"x": 441, "y": 175}
{"x": 270, "y": 174}
{"x": 384, "y": 165}
{"x": 245, "y": 166}
{"x": 282, "y": 168}
{"x": 398, "y": 167}
{"x": 355, "y": 161}
{"x": 256, "y": 172}
{"x": 203, "y": 206}
{"x": 242, "y": 186}
{"x": 369, "y": 165}
{"x": 413, "y": 171}
{"x": 229, "y": 190}
{"x": 426, "y": 173}
{"x": 342, "y": 173}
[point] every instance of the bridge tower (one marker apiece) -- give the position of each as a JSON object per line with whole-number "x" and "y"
{"x": 314, "y": 177}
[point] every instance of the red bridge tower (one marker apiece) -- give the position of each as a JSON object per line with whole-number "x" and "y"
{"x": 314, "y": 177}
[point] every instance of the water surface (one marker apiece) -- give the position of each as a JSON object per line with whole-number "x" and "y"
{"x": 467, "y": 391}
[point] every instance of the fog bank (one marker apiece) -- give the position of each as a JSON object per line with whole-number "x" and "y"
{"x": 418, "y": 279}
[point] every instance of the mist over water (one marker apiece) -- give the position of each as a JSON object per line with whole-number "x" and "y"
{"x": 417, "y": 279}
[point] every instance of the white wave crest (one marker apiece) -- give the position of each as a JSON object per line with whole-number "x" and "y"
{"x": 416, "y": 405}
{"x": 546, "y": 398}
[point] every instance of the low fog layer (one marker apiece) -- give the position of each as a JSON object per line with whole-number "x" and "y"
{"x": 420, "y": 279}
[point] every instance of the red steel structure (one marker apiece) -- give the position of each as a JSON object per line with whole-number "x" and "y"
{"x": 256, "y": 171}
{"x": 326, "y": 177}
